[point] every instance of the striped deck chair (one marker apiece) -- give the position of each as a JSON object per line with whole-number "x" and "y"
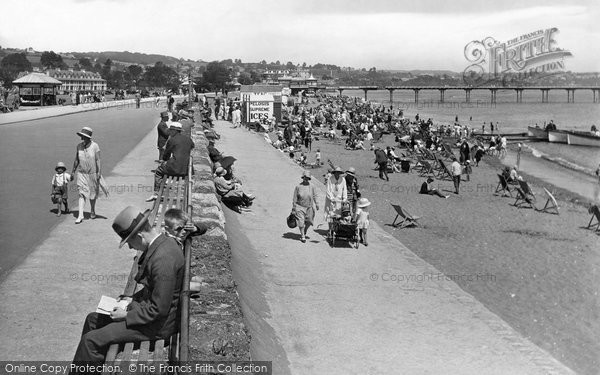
{"x": 551, "y": 204}
{"x": 407, "y": 219}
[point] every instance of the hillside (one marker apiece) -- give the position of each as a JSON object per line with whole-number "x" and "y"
{"x": 131, "y": 57}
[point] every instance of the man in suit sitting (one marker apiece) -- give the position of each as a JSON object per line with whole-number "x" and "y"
{"x": 152, "y": 311}
{"x": 175, "y": 158}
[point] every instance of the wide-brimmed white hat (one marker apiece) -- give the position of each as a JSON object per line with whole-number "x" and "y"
{"x": 85, "y": 132}
{"x": 363, "y": 202}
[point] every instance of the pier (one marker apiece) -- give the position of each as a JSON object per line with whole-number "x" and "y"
{"x": 467, "y": 89}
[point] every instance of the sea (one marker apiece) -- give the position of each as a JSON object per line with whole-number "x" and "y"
{"x": 569, "y": 167}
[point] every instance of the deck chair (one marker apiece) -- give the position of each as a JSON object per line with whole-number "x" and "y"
{"x": 377, "y": 137}
{"x": 427, "y": 169}
{"x": 503, "y": 186}
{"x": 448, "y": 151}
{"x": 419, "y": 163}
{"x": 426, "y": 154}
{"x": 595, "y": 211}
{"x": 523, "y": 199}
{"x": 407, "y": 219}
{"x": 551, "y": 205}
{"x": 526, "y": 189}
{"x": 443, "y": 172}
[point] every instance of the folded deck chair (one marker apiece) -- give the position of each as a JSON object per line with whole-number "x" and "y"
{"x": 595, "y": 211}
{"x": 523, "y": 199}
{"x": 407, "y": 219}
{"x": 503, "y": 186}
{"x": 551, "y": 205}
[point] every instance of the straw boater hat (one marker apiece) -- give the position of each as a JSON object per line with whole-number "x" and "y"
{"x": 176, "y": 125}
{"x": 363, "y": 202}
{"x": 60, "y": 165}
{"x": 337, "y": 170}
{"x": 306, "y": 174}
{"x": 351, "y": 171}
{"x": 85, "y": 132}
{"x": 129, "y": 222}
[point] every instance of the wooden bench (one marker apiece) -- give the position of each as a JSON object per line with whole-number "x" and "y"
{"x": 174, "y": 192}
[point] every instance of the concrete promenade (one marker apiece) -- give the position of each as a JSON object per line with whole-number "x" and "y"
{"x": 46, "y": 298}
{"x": 54, "y": 111}
{"x": 313, "y": 309}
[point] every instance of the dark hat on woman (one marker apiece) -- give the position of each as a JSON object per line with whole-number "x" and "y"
{"x": 85, "y": 132}
{"x": 164, "y": 114}
{"x": 129, "y": 222}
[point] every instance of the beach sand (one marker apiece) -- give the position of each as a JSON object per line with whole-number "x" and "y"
{"x": 537, "y": 271}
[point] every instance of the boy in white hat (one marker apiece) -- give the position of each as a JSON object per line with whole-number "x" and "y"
{"x": 60, "y": 188}
{"x": 362, "y": 219}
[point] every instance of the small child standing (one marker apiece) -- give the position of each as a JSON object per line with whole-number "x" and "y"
{"x": 318, "y": 156}
{"x": 60, "y": 188}
{"x": 362, "y": 219}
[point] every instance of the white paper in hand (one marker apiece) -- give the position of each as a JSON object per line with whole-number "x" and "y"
{"x": 108, "y": 304}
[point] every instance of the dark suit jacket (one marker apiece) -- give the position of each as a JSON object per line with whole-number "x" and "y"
{"x": 380, "y": 156}
{"x": 154, "y": 309}
{"x": 177, "y": 154}
{"x": 163, "y": 134}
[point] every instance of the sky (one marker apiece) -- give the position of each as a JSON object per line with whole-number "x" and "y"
{"x": 385, "y": 34}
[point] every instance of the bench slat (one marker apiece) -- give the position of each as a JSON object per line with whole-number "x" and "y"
{"x": 158, "y": 354}
{"x": 152, "y": 217}
{"x": 127, "y": 352}
{"x": 165, "y": 200}
{"x": 144, "y": 351}
{"x": 111, "y": 355}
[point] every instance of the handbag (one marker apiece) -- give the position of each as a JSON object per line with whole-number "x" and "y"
{"x": 291, "y": 220}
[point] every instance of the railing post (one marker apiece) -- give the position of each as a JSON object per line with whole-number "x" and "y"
{"x": 184, "y": 327}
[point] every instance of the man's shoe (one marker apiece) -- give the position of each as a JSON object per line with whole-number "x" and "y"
{"x": 152, "y": 198}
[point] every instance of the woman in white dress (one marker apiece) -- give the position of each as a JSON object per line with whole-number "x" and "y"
{"x": 89, "y": 173}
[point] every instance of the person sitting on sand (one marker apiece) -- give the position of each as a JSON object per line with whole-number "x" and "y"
{"x": 228, "y": 190}
{"x": 427, "y": 188}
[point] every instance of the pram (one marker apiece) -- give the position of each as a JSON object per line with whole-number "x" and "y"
{"x": 340, "y": 229}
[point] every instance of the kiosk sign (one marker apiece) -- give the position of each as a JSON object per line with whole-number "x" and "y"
{"x": 260, "y": 107}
